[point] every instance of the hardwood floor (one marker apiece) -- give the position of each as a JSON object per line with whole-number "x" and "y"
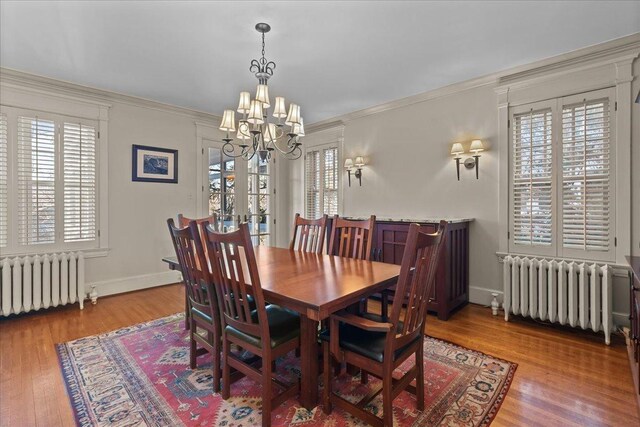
{"x": 564, "y": 378}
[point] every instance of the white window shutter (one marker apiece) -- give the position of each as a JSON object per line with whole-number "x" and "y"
{"x": 36, "y": 172}
{"x": 312, "y": 184}
{"x": 4, "y": 177}
{"x": 586, "y": 167}
{"x": 330, "y": 190}
{"x": 79, "y": 182}
{"x": 532, "y": 178}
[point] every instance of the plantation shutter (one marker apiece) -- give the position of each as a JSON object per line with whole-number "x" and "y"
{"x": 36, "y": 172}
{"x": 79, "y": 184}
{"x": 4, "y": 176}
{"x": 330, "y": 190}
{"x": 586, "y": 192}
{"x": 312, "y": 184}
{"x": 532, "y": 179}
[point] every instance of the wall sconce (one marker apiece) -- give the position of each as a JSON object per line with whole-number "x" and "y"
{"x": 471, "y": 162}
{"x": 358, "y": 163}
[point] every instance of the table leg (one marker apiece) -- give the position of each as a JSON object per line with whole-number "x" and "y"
{"x": 308, "y": 362}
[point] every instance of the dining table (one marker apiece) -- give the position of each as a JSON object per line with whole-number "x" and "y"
{"x": 315, "y": 286}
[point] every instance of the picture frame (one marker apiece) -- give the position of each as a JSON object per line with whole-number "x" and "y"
{"x": 154, "y": 164}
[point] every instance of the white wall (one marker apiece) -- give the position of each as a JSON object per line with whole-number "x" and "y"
{"x": 410, "y": 173}
{"x": 138, "y": 234}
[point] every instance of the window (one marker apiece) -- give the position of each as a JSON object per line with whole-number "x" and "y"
{"x": 321, "y": 181}
{"x": 48, "y": 182}
{"x": 561, "y": 177}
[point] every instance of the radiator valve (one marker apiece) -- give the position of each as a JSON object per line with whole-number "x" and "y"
{"x": 93, "y": 295}
{"x": 495, "y": 305}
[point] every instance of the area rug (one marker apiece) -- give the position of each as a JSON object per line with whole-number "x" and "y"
{"x": 140, "y": 376}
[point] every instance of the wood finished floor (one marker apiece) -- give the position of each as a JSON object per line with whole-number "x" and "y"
{"x": 564, "y": 378}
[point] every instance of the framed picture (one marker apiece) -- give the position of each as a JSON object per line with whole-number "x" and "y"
{"x": 153, "y": 164}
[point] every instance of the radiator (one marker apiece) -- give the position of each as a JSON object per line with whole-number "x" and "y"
{"x": 572, "y": 293}
{"x": 41, "y": 281}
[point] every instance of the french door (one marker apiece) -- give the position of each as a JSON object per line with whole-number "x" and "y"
{"x": 237, "y": 191}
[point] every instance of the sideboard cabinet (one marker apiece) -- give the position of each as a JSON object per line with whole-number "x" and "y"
{"x": 451, "y": 289}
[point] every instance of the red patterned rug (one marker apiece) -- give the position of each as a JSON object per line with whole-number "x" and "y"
{"x": 140, "y": 376}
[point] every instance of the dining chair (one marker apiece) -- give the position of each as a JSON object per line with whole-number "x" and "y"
{"x": 267, "y": 331}
{"x": 354, "y": 239}
{"x": 183, "y": 222}
{"x": 379, "y": 347}
{"x": 202, "y": 302}
{"x": 308, "y": 234}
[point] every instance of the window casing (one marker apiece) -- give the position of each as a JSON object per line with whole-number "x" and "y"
{"x": 48, "y": 182}
{"x": 561, "y": 177}
{"x": 322, "y": 181}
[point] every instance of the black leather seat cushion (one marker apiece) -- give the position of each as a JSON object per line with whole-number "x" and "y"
{"x": 284, "y": 325}
{"x": 366, "y": 343}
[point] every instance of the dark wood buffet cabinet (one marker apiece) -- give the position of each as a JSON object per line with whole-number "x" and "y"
{"x": 633, "y": 340}
{"x": 451, "y": 290}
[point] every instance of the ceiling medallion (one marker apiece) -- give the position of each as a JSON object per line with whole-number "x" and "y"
{"x": 255, "y": 134}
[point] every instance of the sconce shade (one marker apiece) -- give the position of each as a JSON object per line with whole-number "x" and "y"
{"x": 476, "y": 146}
{"x": 279, "y": 111}
{"x": 294, "y": 115}
{"x": 359, "y": 162}
{"x": 243, "y": 130}
{"x": 255, "y": 113}
{"x": 245, "y": 103}
{"x": 228, "y": 121}
{"x": 298, "y": 128}
{"x": 348, "y": 164}
{"x": 262, "y": 95}
{"x": 457, "y": 149}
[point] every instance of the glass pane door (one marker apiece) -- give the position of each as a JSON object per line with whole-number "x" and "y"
{"x": 259, "y": 212}
{"x": 222, "y": 188}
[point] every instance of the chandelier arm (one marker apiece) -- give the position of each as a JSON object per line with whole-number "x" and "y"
{"x": 290, "y": 147}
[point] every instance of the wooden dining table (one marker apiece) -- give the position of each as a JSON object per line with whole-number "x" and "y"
{"x": 315, "y": 286}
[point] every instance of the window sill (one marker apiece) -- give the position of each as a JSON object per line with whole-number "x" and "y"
{"x": 88, "y": 253}
{"x": 620, "y": 270}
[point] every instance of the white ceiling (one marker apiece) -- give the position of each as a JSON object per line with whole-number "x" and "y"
{"x": 332, "y": 57}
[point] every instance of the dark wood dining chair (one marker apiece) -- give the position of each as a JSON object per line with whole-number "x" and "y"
{"x": 183, "y": 222}
{"x": 267, "y": 331}
{"x": 308, "y": 234}
{"x": 379, "y": 347}
{"x": 202, "y": 302}
{"x": 354, "y": 239}
{"x": 351, "y": 238}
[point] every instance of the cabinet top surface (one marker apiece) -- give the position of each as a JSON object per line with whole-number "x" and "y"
{"x": 419, "y": 220}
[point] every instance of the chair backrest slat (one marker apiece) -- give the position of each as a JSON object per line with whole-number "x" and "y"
{"x": 235, "y": 275}
{"x": 352, "y": 239}
{"x": 419, "y": 267}
{"x": 190, "y": 254}
{"x": 184, "y": 221}
{"x": 308, "y": 234}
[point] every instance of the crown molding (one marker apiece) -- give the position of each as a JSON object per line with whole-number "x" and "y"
{"x": 21, "y": 79}
{"x": 624, "y": 48}
{"x": 608, "y": 52}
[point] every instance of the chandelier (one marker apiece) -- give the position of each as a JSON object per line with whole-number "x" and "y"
{"x": 256, "y": 134}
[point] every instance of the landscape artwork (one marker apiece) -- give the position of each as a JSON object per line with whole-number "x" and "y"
{"x": 154, "y": 164}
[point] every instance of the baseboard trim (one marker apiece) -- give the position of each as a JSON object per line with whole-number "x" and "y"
{"x": 482, "y": 296}
{"x": 134, "y": 283}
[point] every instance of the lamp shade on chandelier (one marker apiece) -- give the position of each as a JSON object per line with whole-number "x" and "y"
{"x": 256, "y": 134}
